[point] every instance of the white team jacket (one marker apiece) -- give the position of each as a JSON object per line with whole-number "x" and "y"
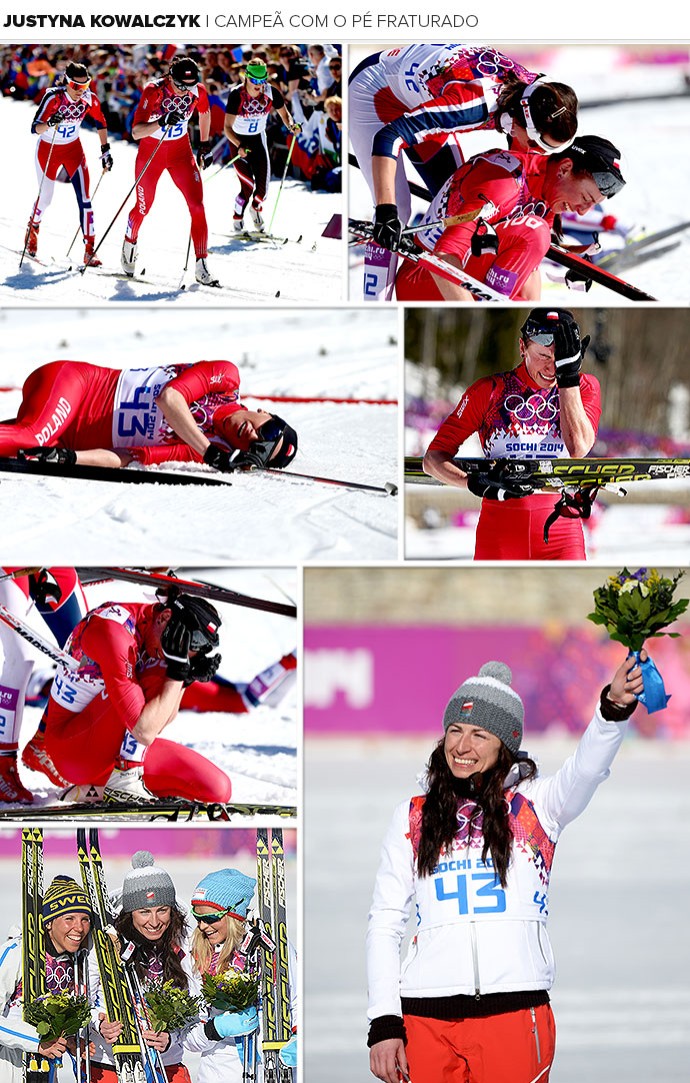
{"x": 472, "y": 936}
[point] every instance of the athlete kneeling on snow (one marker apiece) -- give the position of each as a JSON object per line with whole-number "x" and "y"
{"x": 102, "y": 725}
{"x": 110, "y": 417}
{"x": 546, "y": 408}
{"x": 67, "y": 920}
{"x": 511, "y": 199}
{"x": 472, "y": 857}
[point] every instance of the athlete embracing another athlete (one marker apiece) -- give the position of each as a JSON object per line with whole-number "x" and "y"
{"x": 546, "y": 408}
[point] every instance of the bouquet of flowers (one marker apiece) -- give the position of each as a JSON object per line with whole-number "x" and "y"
{"x": 635, "y": 606}
{"x": 232, "y": 991}
{"x": 170, "y": 1008}
{"x": 57, "y": 1015}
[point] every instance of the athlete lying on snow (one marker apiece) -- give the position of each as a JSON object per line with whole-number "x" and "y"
{"x": 76, "y": 412}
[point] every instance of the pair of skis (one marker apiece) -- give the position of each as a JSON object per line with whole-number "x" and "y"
{"x": 558, "y": 473}
{"x": 135, "y": 1061}
{"x": 38, "y": 1069}
{"x": 275, "y": 976}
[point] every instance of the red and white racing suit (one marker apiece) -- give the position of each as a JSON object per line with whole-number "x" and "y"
{"x": 479, "y": 950}
{"x": 173, "y": 152}
{"x": 420, "y": 98}
{"x": 516, "y": 419}
{"x": 91, "y": 710}
{"x": 74, "y": 404}
{"x": 511, "y": 185}
{"x": 59, "y": 153}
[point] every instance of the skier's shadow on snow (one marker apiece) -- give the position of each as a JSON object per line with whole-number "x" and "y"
{"x": 31, "y": 279}
{"x": 266, "y": 750}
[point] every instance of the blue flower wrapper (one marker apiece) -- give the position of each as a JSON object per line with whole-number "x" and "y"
{"x": 653, "y": 695}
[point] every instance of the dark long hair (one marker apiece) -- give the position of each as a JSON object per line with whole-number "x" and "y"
{"x": 553, "y": 107}
{"x": 164, "y": 948}
{"x": 440, "y": 811}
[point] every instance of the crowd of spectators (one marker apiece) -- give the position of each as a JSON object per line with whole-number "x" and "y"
{"x": 308, "y": 76}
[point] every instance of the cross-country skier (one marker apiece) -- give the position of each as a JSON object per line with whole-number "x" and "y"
{"x": 58, "y": 597}
{"x": 67, "y": 922}
{"x": 247, "y": 111}
{"x": 512, "y": 198}
{"x": 152, "y": 922}
{"x": 471, "y": 858}
{"x": 160, "y": 125}
{"x": 109, "y": 417}
{"x": 60, "y": 154}
{"x": 219, "y": 906}
{"x": 546, "y": 408}
{"x": 418, "y": 99}
{"x": 103, "y": 722}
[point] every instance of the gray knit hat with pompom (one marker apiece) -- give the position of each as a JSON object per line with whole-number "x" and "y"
{"x": 488, "y": 701}
{"x": 146, "y": 885}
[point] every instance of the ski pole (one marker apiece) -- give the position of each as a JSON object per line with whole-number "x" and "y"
{"x": 120, "y": 208}
{"x": 18, "y": 573}
{"x": 27, "y": 633}
{"x": 38, "y": 197}
{"x": 78, "y": 227}
{"x": 390, "y": 489}
{"x": 287, "y": 166}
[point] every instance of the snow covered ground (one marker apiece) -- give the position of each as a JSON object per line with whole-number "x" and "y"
{"x": 319, "y": 354}
{"x": 621, "y": 997}
{"x": 258, "y": 750}
{"x": 654, "y": 137}
{"x": 306, "y": 272}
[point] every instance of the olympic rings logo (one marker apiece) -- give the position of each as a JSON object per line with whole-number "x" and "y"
{"x": 534, "y": 408}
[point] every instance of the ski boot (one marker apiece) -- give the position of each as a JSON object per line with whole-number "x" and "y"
{"x": 89, "y": 259}
{"x": 203, "y": 275}
{"x": 126, "y": 785}
{"x": 35, "y": 756}
{"x": 257, "y": 218}
{"x": 31, "y": 237}
{"x": 238, "y": 223}
{"x": 12, "y": 789}
{"x": 128, "y": 257}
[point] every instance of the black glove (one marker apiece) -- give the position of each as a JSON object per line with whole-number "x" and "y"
{"x": 106, "y": 158}
{"x": 575, "y": 280}
{"x": 257, "y": 456}
{"x": 568, "y": 352}
{"x": 42, "y": 586}
{"x": 57, "y": 118}
{"x": 500, "y": 482}
{"x": 204, "y": 157}
{"x": 56, "y": 456}
{"x": 170, "y": 119}
{"x": 484, "y": 239}
{"x": 220, "y": 459}
{"x": 387, "y": 229}
{"x": 203, "y": 667}
{"x": 175, "y": 644}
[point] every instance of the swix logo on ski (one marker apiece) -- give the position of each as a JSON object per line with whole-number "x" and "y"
{"x": 62, "y": 411}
